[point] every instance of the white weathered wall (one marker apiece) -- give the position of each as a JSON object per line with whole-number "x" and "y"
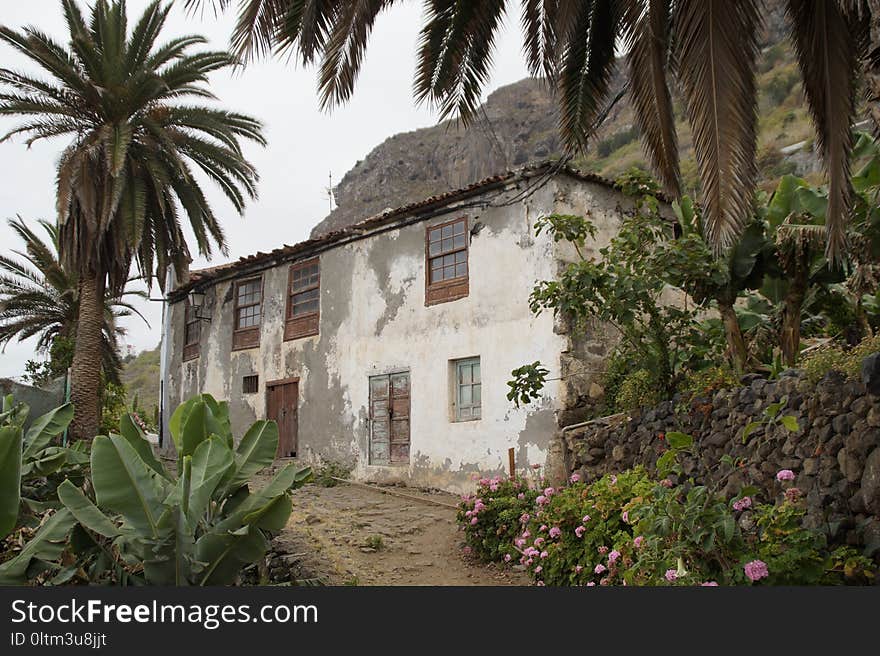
{"x": 374, "y": 320}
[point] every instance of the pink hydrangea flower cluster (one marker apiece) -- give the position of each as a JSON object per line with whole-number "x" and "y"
{"x": 792, "y": 494}
{"x": 638, "y": 540}
{"x": 574, "y": 478}
{"x": 603, "y": 549}
{"x": 784, "y": 475}
{"x": 555, "y": 532}
{"x": 598, "y": 569}
{"x": 742, "y": 504}
{"x": 756, "y": 570}
{"x": 670, "y": 575}
{"x": 709, "y": 584}
{"x": 613, "y": 556}
{"x": 580, "y": 530}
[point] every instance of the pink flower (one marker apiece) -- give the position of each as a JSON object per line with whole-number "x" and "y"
{"x": 543, "y": 527}
{"x": 604, "y": 581}
{"x": 544, "y": 554}
{"x": 756, "y": 570}
{"x": 521, "y": 496}
{"x": 484, "y": 481}
{"x": 474, "y": 520}
{"x": 603, "y": 549}
{"x": 585, "y": 519}
{"x": 625, "y": 516}
{"x": 538, "y": 569}
{"x": 613, "y": 479}
{"x": 578, "y": 569}
{"x": 792, "y": 494}
{"x": 539, "y": 542}
{"x": 555, "y": 532}
{"x": 524, "y": 518}
{"x": 785, "y": 475}
{"x": 469, "y": 514}
{"x": 519, "y": 542}
{"x": 526, "y": 534}
{"x": 580, "y": 530}
{"x": 574, "y": 478}
{"x": 613, "y": 556}
{"x": 591, "y": 584}
{"x": 666, "y": 483}
{"x": 598, "y": 569}
{"x": 549, "y": 492}
{"x": 742, "y": 504}
{"x": 493, "y": 487}
{"x": 541, "y": 500}
{"x": 638, "y": 540}
{"x": 670, "y": 575}
{"x": 709, "y": 584}
{"x": 507, "y": 558}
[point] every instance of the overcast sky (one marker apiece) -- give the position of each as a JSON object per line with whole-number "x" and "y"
{"x": 305, "y": 144}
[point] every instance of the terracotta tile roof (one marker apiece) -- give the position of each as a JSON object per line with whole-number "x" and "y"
{"x": 362, "y": 228}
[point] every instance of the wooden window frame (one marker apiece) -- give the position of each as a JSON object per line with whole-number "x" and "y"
{"x": 456, "y": 389}
{"x": 453, "y": 288}
{"x": 307, "y": 324}
{"x": 249, "y": 337}
{"x": 191, "y": 350}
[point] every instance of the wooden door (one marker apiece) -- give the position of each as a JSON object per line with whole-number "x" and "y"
{"x": 389, "y": 418}
{"x": 282, "y": 405}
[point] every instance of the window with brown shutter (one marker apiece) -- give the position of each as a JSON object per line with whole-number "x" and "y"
{"x": 303, "y": 299}
{"x": 248, "y": 312}
{"x": 192, "y": 331}
{"x": 446, "y": 253}
{"x": 250, "y": 384}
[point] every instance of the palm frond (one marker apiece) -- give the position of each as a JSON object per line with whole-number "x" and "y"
{"x": 828, "y": 43}
{"x": 716, "y": 50}
{"x": 646, "y": 34}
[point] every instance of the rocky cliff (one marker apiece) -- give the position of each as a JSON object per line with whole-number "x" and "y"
{"x": 518, "y": 124}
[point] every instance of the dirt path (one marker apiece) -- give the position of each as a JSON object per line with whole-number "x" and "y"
{"x": 351, "y": 535}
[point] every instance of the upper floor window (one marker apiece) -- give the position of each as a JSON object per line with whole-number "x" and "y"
{"x": 303, "y": 299}
{"x": 248, "y": 312}
{"x": 468, "y": 389}
{"x": 446, "y": 251}
{"x": 192, "y": 328}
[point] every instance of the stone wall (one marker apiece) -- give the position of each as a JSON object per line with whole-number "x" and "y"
{"x": 835, "y": 453}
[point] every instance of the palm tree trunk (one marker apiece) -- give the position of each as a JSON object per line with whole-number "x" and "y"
{"x": 790, "y": 334}
{"x": 733, "y": 335}
{"x": 85, "y": 372}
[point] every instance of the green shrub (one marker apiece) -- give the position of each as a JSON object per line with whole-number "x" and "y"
{"x": 330, "y": 471}
{"x": 491, "y": 517}
{"x": 708, "y": 381}
{"x": 848, "y": 362}
{"x": 638, "y": 389}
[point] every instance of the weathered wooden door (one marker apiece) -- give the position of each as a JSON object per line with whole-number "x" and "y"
{"x": 389, "y": 419}
{"x": 282, "y": 406}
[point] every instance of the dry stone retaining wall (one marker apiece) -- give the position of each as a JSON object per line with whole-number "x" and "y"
{"x": 835, "y": 453}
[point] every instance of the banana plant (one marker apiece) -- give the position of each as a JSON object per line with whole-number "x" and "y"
{"x": 199, "y": 527}
{"x": 31, "y": 463}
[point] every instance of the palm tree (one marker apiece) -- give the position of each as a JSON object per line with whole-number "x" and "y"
{"x": 126, "y": 177}
{"x": 39, "y": 299}
{"x": 710, "y": 46}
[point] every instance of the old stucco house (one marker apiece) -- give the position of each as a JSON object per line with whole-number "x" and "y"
{"x": 388, "y": 345}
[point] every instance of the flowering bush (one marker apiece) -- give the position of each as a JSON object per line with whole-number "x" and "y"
{"x": 627, "y": 529}
{"x": 491, "y": 517}
{"x": 580, "y": 535}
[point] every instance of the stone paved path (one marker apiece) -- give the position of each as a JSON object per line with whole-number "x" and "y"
{"x": 350, "y": 535}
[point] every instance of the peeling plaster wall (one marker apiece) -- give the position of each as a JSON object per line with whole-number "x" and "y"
{"x": 374, "y": 320}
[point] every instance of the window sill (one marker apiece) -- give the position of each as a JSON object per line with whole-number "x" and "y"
{"x": 446, "y": 291}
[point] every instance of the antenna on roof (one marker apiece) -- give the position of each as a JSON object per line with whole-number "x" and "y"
{"x": 330, "y": 193}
